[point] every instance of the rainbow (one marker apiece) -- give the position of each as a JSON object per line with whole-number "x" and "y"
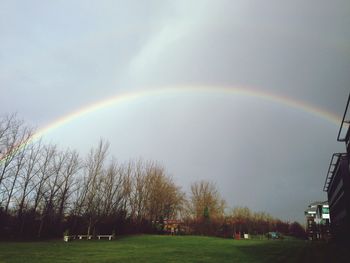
{"x": 209, "y": 90}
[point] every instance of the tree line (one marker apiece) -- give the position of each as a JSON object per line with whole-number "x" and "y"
{"x": 45, "y": 191}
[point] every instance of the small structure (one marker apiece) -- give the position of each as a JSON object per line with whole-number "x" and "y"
{"x": 68, "y": 238}
{"x": 237, "y": 235}
{"x": 273, "y": 235}
{"x": 318, "y": 221}
{"x": 172, "y": 226}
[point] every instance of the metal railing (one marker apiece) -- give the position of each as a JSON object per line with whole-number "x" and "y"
{"x": 344, "y": 124}
{"x": 332, "y": 168}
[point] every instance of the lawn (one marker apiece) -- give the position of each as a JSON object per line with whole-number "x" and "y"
{"x": 152, "y": 248}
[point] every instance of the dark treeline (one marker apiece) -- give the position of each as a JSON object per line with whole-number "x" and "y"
{"x": 45, "y": 191}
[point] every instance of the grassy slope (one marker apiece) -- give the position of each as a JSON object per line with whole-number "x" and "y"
{"x": 148, "y": 248}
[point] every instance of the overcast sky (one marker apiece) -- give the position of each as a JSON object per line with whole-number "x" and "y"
{"x": 59, "y": 56}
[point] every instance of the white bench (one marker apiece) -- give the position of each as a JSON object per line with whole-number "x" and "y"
{"x": 110, "y": 237}
{"x": 88, "y": 237}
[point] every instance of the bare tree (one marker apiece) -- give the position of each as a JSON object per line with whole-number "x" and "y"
{"x": 72, "y": 166}
{"x": 206, "y": 201}
{"x": 14, "y": 137}
{"x": 46, "y": 171}
{"x": 65, "y": 166}
{"x": 30, "y": 170}
{"x": 112, "y": 189}
{"x": 139, "y": 192}
{"x": 14, "y": 174}
{"x": 127, "y": 187}
{"x": 164, "y": 199}
{"x": 26, "y": 182}
{"x": 94, "y": 170}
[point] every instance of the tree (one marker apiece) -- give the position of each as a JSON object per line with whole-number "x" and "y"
{"x": 164, "y": 198}
{"x": 205, "y": 196}
{"x": 92, "y": 188}
{"x": 27, "y": 184}
{"x": 14, "y": 138}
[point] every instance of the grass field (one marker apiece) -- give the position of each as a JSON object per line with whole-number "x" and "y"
{"x": 151, "y": 248}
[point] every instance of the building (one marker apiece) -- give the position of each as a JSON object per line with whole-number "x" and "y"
{"x": 318, "y": 221}
{"x": 337, "y": 184}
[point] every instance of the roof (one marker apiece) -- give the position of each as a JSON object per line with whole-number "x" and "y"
{"x": 318, "y": 203}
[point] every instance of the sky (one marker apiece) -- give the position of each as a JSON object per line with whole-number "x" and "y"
{"x": 57, "y": 57}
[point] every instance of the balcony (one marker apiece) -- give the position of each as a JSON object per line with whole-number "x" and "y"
{"x": 344, "y": 131}
{"x": 333, "y": 169}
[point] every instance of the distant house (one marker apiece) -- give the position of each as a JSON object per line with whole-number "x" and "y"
{"x": 337, "y": 184}
{"x": 318, "y": 220}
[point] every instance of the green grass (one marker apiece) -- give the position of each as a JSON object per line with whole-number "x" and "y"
{"x": 151, "y": 248}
